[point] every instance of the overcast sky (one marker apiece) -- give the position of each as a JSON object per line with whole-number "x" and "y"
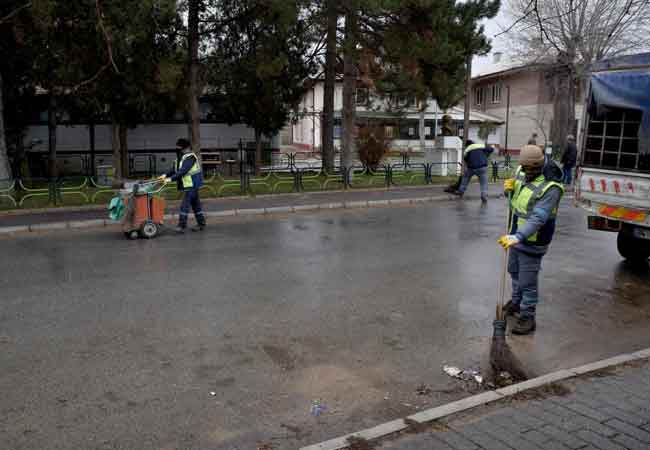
{"x": 492, "y": 27}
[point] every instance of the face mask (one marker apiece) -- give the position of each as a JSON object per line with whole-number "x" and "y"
{"x": 532, "y": 173}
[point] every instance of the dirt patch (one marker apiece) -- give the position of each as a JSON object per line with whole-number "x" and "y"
{"x": 280, "y": 357}
{"x": 601, "y": 373}
{"x": 359, "y": 443}
{"x": 542, "y": 392}
{"x": 438, "y": 427}
{"x": 415, "y": 427}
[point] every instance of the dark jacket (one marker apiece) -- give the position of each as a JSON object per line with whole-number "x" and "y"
{"x": 570, "y": 156}
{"x": 476, "y": 156}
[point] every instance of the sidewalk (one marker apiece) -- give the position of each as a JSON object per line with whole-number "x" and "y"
{"x": 278, "y": 203}
{"x": 601, "y": 410}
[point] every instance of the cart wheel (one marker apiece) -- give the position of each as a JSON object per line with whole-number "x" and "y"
{"x": 131, "y": 234}
{"x": 149, "y": 230}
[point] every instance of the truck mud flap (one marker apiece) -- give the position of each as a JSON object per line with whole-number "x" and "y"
{"x": 604, "y": 224}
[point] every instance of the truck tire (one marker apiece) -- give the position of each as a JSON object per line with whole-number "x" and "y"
{"x": 633, "y": 248}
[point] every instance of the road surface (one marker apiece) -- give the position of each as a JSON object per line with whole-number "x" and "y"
{"x": 222, "y": 340}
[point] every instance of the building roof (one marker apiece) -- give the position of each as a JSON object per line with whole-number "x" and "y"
{"x": 456, "y": 113}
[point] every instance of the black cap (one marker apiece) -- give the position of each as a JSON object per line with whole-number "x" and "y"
{"x": 182, "y": 143}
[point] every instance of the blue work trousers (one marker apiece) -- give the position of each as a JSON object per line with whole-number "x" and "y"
{"x": 524, "y": 269}
{"x": 191, "y": 199}
{"x": 568, "y": 172}
{"x": 482, "y": 178}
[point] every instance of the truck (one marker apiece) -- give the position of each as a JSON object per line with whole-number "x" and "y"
{"x": 613, "y": 172}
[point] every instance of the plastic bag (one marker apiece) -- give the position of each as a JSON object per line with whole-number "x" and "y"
{"x": 116, "y": 208}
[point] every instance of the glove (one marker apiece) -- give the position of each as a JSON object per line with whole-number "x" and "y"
{"x": 508, "y": 240}
{"x": 509, "y": 185}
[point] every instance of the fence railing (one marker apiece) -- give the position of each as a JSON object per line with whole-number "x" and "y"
{"x": 286, "y": 175}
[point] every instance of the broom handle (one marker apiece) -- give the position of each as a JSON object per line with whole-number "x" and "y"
{"x": 504, "y": 268}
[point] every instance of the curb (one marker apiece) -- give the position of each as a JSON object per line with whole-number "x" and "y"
{"x": 97, "y": 223}
{"x": 476, "y": 400}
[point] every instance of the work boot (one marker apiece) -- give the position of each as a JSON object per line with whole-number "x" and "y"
{"x": 458, "y": 193}
{"x": 524, "y": 325}
{"x": 484, "y": 199}
{"x": 198, "y": 227}
{"x": 180, "y": 229}
{"x": 511, "y": 309}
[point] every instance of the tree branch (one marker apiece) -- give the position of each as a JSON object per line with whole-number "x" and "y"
{"x": 107, "y": 37}
{"x": 14, "y": 12}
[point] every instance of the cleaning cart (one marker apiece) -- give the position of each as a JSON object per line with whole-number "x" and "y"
{"x": 140, "y": 208}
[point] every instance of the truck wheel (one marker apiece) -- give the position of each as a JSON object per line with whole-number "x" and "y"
{"x": 633, "y": 248}
{"x": 149, "y": 230}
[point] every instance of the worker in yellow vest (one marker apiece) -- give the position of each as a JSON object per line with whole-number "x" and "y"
{"x": 475, "y": 163}
{"x": 534, "y": 202}
{"x": 190, "y": 179}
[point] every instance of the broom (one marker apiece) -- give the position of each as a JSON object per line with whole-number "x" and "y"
{"x": 502, "y": 359}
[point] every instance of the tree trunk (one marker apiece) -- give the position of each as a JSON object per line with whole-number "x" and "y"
{"x": 349, "y": 83}
{"x": 117, "y": 153}
{"x": 124, "y": 150}
{"x": 564, "y": 104}
{"x": 52, "y": 169}
{"x": 468, "y": 101}
{"x": 5, "y": 171}
{"x": 193, "y": 88}
{"x": 258, "y": 151}
{"x": 327, "y": 127}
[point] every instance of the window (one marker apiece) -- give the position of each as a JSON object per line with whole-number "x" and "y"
{"x": 428, "y": 129}
{"x": 338, "y": 129}
{"x": 363, "y": 96}
{"x": 496, "y": 93}
{"x": 408, "y": 129}
{"x": 389, "y": 130}
{"x": 478, "y": 96}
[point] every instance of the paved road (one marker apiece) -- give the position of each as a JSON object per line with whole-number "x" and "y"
{"x": 608, "y": 411}
{"x": 108, "y": 343}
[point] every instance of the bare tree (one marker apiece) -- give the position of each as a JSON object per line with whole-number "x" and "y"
{"x": 541, "y": 124}
{"x": 572, "y": 34}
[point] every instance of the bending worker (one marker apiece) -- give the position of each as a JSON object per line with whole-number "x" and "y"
{"x": 476, "y": 163}
{"x": 534, "y": 202}
{"x": 189, "y": 178}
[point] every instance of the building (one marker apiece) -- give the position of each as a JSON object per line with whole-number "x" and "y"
{"x": 151, "y": 146}
{"x": 399, "y": 115}
{"x": 522, "y": 97}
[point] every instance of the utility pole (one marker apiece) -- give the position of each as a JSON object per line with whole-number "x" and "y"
{"x": 507, "y": 117}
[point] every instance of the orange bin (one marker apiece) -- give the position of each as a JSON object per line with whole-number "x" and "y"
{"x": 144, "y": 216}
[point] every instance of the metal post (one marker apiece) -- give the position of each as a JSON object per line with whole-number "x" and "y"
{"x": 507, "y": 117}
{"x": 242, "y": 167}
{"x": 91, "y": 131}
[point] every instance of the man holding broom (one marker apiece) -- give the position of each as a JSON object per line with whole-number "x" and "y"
{"x": 534, "y": 202}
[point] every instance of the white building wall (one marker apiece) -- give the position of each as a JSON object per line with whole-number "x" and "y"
{"x": 307, "y": 130}
{"x": 529, "y": 119}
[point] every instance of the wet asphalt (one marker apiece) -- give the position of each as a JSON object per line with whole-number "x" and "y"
{"x": 223, "y": 339}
